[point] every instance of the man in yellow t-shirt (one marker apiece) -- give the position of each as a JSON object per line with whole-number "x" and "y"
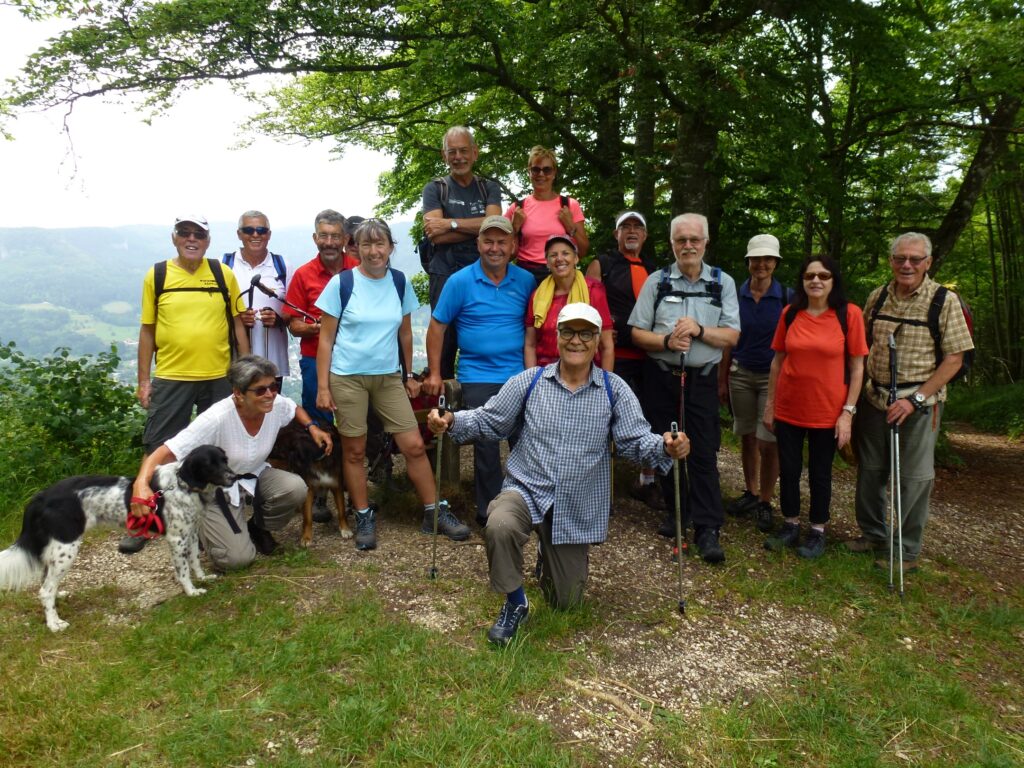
{"x": 186, "y": 330}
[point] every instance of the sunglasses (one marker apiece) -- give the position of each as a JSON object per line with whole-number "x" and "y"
{"x": 823, "y": 276}
{"x": 185, "y": 234}
{"x": 915, "y": 260}
{"x": 537, "y": 170}
{"x": 566, "y": 334}
{"x": 261, "y": 391}
{"x": 254, "y": 230}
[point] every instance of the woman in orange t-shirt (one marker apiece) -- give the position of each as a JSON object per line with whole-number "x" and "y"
{"x": 813, "y": 387}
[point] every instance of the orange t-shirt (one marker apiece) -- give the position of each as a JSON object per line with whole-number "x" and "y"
{"x": 811, "y": 390}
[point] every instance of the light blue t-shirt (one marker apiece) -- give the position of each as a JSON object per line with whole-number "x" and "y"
{"x": 489, "y": 320}
{"x": 367, "y": 340}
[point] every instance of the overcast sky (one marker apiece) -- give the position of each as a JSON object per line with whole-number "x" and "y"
{"x": 115, "y": 169}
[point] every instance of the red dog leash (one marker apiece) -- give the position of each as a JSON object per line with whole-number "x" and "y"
{"x": 143, "y": 525}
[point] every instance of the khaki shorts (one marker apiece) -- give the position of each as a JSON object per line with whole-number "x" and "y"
{"x": 353, "y": 394}
{"x": 748, "y": 393}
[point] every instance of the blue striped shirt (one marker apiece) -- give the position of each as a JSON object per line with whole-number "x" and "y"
{"x": 561, "y": 459}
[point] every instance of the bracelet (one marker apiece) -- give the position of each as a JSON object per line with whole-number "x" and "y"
{"x": 701, "y": 334}
{"x": 665, "y": 339}
{"x": 309, "y": 426}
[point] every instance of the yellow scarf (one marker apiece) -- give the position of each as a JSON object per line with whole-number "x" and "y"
{"x": 545, "y": 295}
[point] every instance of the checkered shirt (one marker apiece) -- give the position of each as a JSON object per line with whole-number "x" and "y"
{"x": 915, "y": 350}
{"x": 561, "y": 460}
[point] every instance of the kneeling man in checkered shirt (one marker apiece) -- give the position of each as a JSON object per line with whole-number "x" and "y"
{"x": 557, "y": 478}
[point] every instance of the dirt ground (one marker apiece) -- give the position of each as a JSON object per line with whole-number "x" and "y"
{"x": 650, "y": 659}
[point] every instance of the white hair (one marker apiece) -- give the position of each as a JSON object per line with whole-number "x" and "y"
{"x": 699, "y": 218}
{"x": 911, "y": 237}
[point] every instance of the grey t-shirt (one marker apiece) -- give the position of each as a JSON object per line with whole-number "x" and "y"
{"x": 462, "y": 203}
{"x": 699, "y": 308}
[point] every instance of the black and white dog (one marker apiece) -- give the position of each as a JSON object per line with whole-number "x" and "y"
{"x": 57, "y": 517}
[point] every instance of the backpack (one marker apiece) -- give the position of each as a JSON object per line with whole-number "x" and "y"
{"x": 790, "y": 315}
{"x": 346, "y": 282}
{"x": 160, "y": 277}
{"x": 424, "y": 247}
{"x": 934, "y": 311}
{"x": 279, "y": 266}
{"x": 536, "y": 378}
{"x": 713, "y": 291}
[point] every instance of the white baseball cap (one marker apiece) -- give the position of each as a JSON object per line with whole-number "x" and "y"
{"x": 580, "y": 311}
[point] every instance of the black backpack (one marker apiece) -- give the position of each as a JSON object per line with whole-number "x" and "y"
{"x": 934, "y": 311}
{"x": 713, "y": 291}
{"x": 160, "y": 278}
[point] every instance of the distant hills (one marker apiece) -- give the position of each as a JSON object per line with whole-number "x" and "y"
{"x": 81, "y": 287}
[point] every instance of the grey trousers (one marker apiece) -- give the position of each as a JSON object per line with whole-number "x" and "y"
{"x": 279, "y": 495}
{"x": 565, "y": 566}
{"x": 918, "y": 435}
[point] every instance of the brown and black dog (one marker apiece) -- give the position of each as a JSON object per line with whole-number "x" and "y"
{"x": 297, "y": 452}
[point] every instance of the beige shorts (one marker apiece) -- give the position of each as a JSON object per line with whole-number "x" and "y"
{"x": 748, "y": 393}
{"x": 385, "y": 392}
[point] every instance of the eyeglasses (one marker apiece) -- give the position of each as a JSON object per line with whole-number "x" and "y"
{"x": 689, "y": 240}
{"x": 458, "y": 152}
{"x": 915, "y": 260}
{"x": 185, "y": 234}
{"x": 823, "y": 276}
{"x": 537, "y": 170}
{"x": 331, "y": 238}
{"x": 566, "y": 334}
{"x": 254, "y": 230}
{"x": 261, "y": 391}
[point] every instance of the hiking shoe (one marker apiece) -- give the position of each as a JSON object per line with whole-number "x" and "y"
{"x": 743, "y": 505}
{"x": 788, "y": 536}
{"x": 650, "y": 495}
{"x": 668, "y": 527}
{"x": 763, "y": 517}
{"x": 863, "y": 544}
{"x": 447, "y": 523}
{"x": 707, "y": 545}
{"x": 129, "y": 545}
{"x": 321, "y": 512}
{"x": 504, "y": 629}
{"x": 366, "y": 529}
{"x": 813, "y": 546}
{"x": 261, "y": 539}
{"x": 909, "y": 566}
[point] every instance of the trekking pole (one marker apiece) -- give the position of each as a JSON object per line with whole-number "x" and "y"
{"x": 679, "y": 526}
{"x": 437, "y": 484}
{"x": 895, "y": 494}
{"x": 266, "y": 339}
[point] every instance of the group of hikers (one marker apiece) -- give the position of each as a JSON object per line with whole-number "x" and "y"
{"x": 566, "y": 365}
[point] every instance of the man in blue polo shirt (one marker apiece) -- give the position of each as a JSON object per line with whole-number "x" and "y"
{"x": 487, "y": 302}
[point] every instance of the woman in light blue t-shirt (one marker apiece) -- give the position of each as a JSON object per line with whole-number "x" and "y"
{"x": 365, "y": 326}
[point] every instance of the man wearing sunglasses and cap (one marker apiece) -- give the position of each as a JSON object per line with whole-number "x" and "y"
{"x": 190, "y": 319}
{"x": 557, "y": 476}
{"x": 268, "y": 330}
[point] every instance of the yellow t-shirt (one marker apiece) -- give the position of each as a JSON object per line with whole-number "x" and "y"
{"x": 191, "y": 327}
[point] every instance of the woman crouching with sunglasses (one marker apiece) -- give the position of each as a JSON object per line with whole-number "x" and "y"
{"x": 245, "y": 426}
{"x": 813, "y": 387}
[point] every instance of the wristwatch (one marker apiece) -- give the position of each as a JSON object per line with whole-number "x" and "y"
{"x": 850, "y": 409}
{"x": 455, "y": 223}
{"x": 918, "y": 400}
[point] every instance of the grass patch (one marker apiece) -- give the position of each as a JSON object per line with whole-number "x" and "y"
{"x": 991, "y": 408}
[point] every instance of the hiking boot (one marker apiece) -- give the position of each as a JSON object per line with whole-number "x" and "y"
{"x": 668, "y": 527}
{"x": 650, "y": 495}
{"x": 129, "y": 545}
{"x": 763, "y": 517}
{"x": 708, "y": 547}
{"x": 863, "y": 544}
{"x": 504, "y": 629}
{"x": 909, "y": 566}
{"x": 447, "y": 523}
{"x": 743, "y": 505}
{"x": 321, "y": 512}
{"x": 261, "y": 539}
{"x": 788, "y": 536}
{"x": 813, "y": 546}
{"x": 366, "y": 529}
